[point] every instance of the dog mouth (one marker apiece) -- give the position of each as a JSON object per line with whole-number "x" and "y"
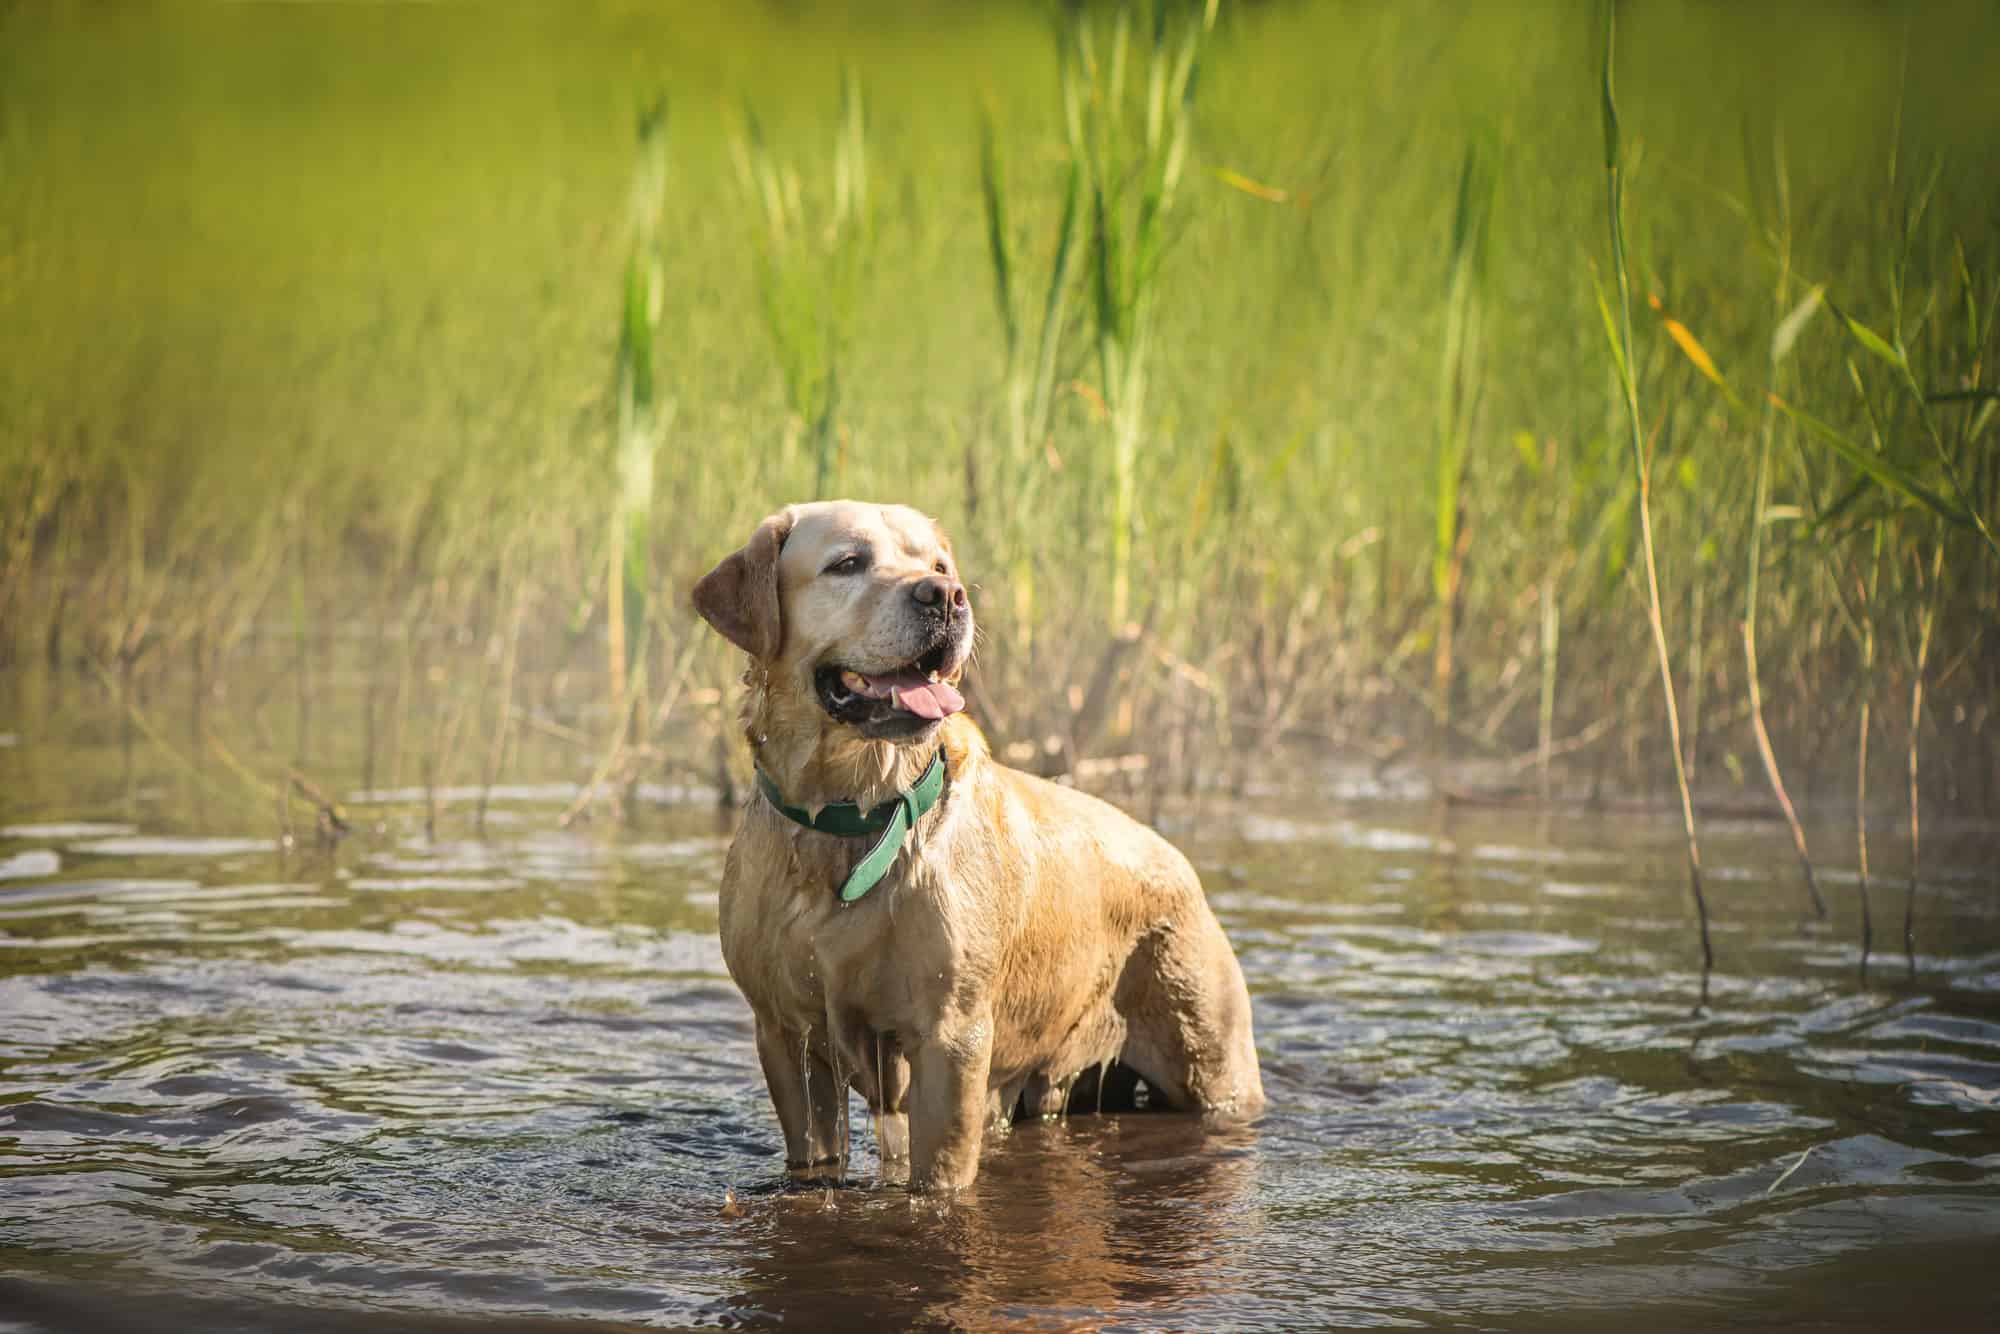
{"x": 901, "y": 702}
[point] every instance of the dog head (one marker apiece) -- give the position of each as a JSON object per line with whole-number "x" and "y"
{"x": 853, "y": 612}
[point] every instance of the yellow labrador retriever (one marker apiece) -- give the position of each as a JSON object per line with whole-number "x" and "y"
{"x": 955, "y": 940}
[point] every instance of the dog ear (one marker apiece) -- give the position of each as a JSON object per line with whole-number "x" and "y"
{"x": 739, "y": 597}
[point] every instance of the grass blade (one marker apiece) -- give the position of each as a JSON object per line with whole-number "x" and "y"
{"x": 1871, "y": 340}
{"x": 1877, "y": 466}
{"x": 1794, "y": 324}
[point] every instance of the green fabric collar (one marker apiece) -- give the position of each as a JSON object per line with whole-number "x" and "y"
{"x": 892, "y": 821}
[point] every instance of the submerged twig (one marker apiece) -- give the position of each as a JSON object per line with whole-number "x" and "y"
{"x": 611, "y": 760}
{"x": 1786, "y": 1175}
{"x": 135, "y": 718}
{"x": 330, "y": 819}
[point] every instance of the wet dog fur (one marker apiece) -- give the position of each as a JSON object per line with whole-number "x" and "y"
{"x": 1028, "y": 935}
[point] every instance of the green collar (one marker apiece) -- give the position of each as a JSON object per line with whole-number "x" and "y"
{"x": 892, "y": 820}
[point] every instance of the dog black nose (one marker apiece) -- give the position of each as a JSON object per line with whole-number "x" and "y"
{"x": 939, "y": 592}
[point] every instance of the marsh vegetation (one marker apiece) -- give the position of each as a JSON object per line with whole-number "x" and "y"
{"x": 1278, "y": 369}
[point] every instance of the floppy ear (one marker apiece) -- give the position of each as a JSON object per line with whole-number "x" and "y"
{"x": 739, "y": 597}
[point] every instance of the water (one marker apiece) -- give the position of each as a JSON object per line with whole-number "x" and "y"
{"x": 509, "y": 1078}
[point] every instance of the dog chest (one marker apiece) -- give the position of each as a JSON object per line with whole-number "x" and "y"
{"x": 796, "y": 952}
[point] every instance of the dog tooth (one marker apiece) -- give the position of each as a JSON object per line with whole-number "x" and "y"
{"x": 854, "y": 681}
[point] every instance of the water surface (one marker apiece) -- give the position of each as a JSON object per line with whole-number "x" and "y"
{"x": 508, "y": 1077}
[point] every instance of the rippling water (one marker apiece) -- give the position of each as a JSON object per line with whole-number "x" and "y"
{"x": 509, "y": 1078}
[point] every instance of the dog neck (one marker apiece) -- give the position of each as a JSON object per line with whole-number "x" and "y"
{"x": 816, "y": 762}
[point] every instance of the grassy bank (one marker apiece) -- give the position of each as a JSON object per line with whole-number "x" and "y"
{"x": 311, "y": 323}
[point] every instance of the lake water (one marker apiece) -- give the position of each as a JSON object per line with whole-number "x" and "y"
{"x": 507, "y": 1078}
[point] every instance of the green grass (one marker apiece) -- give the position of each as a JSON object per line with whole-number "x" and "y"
{"x": 308, "y": 314}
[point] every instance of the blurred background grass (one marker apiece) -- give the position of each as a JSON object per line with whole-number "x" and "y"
{"x": 310, "y": 319}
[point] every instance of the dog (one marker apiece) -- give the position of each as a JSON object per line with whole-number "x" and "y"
{"x": 957, "y": 941}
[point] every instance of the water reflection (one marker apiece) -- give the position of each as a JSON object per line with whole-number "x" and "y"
{"x": 1073, "y": 1219}
{"x": 509, "y": 1076}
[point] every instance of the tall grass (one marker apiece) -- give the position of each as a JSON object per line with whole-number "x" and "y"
{"x": 330, "y": 334}
{"x": 1892, "y": 482}
{"x": 810, "y": 255}
{"x": 1029, "y": 373}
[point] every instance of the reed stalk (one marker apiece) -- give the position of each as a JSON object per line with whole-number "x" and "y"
{"x": 503, "y": 719}
{"x": 810, "y": 258}
{"x": 1861, "y": 750}
{"x": 1545, "y": 714}
{"x": 1772, "y": 774}
{"x": 1926, "y": 622}
{"x": 1000, "y": 253}
{"x": 1696, "y": 674}
{"x": 640, "y": 418}
{"x": 1460, "y": 365}
{"x": 371, "y": 692}
{"x": 1623, "y": 354}
{"x": 1128, "y": 235}
{"x": 301, "y": 640}
{"x": 1759, "y": 518}
{"x": 1030, "y": 378}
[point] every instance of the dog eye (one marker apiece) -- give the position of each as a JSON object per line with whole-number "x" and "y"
{"x": 941, "y": 568}
{"x": 853, "y": 563}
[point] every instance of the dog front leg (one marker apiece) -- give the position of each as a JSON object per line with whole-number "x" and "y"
{"x": 885, "y": 1081}
{"x": 892, "y": 1119}
{"x": 948, "y": 1097}
{"x": 807, "y": 1103}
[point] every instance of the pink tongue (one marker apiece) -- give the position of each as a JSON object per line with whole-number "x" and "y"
{"x": 927, "y": 699}
{"x": 909, "y": 690}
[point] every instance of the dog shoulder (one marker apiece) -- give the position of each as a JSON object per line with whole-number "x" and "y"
{"x": 1072, "y": 819}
